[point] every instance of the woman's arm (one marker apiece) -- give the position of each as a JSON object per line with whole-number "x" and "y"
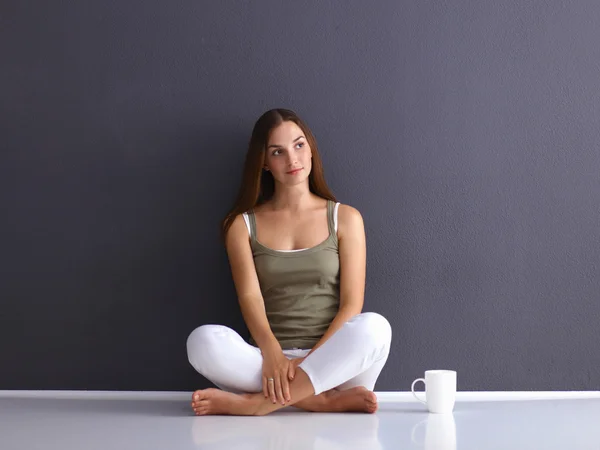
{"x": 276, "y": 366}
{"x": 353, "y": 257}
{"x": 247, "y": 285}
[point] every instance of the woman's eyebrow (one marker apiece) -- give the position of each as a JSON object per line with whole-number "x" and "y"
{"x": 277, "y": 146}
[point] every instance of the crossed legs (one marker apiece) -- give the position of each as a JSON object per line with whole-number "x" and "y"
{"x": 338, "y": 376}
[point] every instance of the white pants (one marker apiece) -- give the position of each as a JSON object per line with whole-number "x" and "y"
{"x": 353, "y": 356}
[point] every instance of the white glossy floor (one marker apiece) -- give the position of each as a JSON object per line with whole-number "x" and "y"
{"x": 105, "y": 420}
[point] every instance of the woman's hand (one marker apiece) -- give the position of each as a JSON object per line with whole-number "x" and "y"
{"x": 276, "y": 368}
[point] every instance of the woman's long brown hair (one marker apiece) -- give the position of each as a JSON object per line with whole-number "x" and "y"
{"x": 258, "y": 185}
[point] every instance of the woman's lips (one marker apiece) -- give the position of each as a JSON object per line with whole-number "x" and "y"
{"x": 293, "y": 172}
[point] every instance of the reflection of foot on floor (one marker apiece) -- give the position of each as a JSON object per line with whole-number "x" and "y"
{"x": 232, "y": 431}
{"x": 217, "y": 402}
{"x": 293, "y": 429}
{"x": 358, "y": 399}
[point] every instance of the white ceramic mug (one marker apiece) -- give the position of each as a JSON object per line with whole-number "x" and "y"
{"x": 440, "y": 390}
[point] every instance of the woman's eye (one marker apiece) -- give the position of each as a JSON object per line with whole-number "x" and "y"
{"x": 299, "y": 144}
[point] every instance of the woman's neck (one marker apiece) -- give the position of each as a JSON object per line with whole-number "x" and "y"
{"x": 293, "y": 199}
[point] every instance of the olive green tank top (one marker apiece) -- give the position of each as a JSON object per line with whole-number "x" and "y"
{"x": 301, "y": 289}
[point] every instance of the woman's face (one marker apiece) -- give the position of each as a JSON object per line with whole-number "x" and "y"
{"x": 288, "y": 157}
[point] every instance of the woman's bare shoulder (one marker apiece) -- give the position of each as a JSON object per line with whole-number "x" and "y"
{"x": 238, "y": 232}
{"x": 349, "y": 219}
{"x": 348, "y": 213}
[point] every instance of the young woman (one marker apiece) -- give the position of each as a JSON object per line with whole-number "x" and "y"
{"x": 298, "y": 262}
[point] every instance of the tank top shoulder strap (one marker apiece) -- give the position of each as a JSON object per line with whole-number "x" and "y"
{"x": 252, "y": 223}
{"x": 331, "y": 219}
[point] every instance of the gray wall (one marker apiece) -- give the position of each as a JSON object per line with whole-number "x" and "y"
{"x": 466, "y": 133}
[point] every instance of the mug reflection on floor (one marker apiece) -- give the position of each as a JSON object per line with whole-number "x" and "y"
{"x": 440, "y": 432}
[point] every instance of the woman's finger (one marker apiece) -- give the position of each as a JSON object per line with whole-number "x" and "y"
{"x": 285, "y": 385}
{"x": 271, "y": 384}
{"x": 279, "y": 390}
{"x": 265, "y": 387}
{"x": 292, "y": 371}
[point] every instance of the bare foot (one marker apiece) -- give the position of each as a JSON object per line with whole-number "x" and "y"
{"x": 358, "y": 399}
{"x": 217, "y": 402}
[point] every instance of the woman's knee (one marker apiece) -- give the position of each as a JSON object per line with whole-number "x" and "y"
{"x": 201, "y": 344}
{"x": 376, "y": 328}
